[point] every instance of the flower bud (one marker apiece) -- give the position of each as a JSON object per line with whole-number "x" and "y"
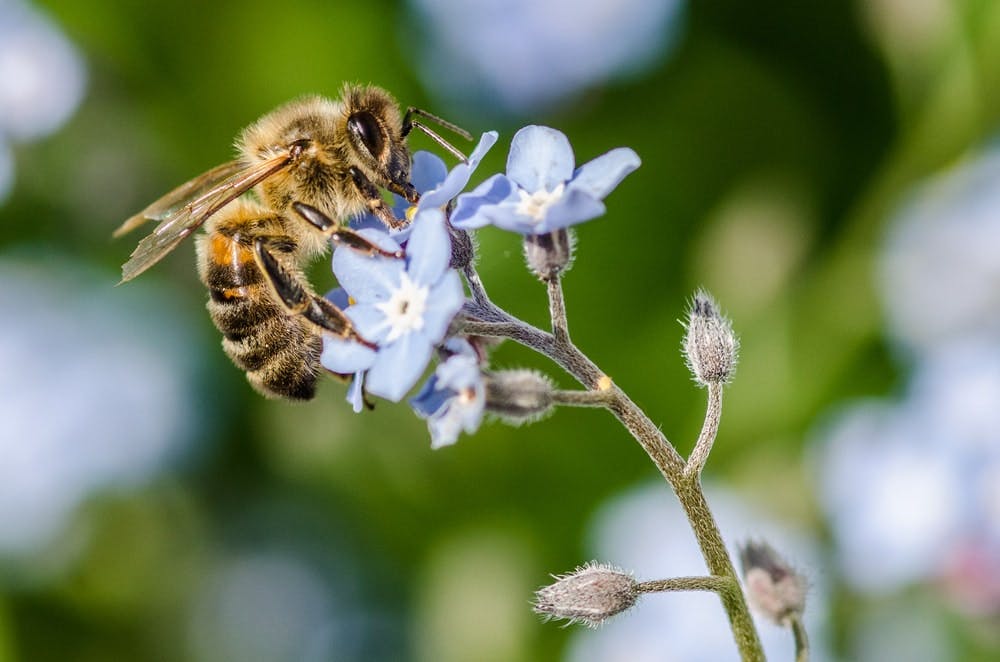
{"x": 590, "y": 595}
{"x": 775, "y": 590}
{"x": 518, "y": 396}
{"x": 710, "y": 346}
{"x": 463, "y": 250}
{"x": 549, "y": 254}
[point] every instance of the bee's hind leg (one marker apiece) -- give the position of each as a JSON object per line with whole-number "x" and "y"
{"x": 298, "y": 299}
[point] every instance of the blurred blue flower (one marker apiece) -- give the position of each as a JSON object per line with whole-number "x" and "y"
{"x": 454, "y": 397}
{"x": 541, "y": 191}
{"x": 910, "y": 486}
{"x": 939, "y": 267}
{"x": 436, "y": 185}
{"x": 520, "y": 55}
{"x": 404, "y": 306}
{"x": 123, "y": 407}
{"x": 41, "y": 80}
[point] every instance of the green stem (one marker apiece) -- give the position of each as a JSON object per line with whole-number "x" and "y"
{"x": 709, "y": 583}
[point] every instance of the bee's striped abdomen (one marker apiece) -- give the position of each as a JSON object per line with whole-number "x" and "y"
{"x": 278, "y": 351}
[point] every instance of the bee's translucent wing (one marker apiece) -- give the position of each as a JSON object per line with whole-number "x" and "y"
{"x": 180, "y": 196}
{"x": 184, "y": 209}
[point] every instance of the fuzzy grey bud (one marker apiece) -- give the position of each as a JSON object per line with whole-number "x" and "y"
{"x": 710, "y": 346}
{"x": 550, "y": 254}
{"x": 463, "y": 250}
{"x": 590, "y": 595}
{"x": 775, "y": 590}
{"x": 518, "y": 396}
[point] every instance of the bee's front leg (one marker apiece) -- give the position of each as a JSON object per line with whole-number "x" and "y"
{"x": 376, "y": 204}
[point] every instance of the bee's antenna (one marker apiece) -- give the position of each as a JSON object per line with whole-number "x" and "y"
{"x": 409, "y": 124}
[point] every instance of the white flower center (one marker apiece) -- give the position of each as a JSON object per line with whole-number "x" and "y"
{"x": 536, "y": 205}
{"x": 404, "y": 311}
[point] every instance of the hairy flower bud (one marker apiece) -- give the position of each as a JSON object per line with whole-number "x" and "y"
{"x": 590, "y": 595}
{"x": 710, "y": 346}
{"x": 549, "y": 254}
{"x": 775, "y": 590}
{"x": 463, "y": 250}
{"x": 518, "y": 396}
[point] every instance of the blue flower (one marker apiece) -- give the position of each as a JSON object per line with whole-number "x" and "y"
{"x": 436, "y": 185}
{"x": 403, "y": 306}
{"x": 454, "y": 397}
{"x": 541, "y": 191}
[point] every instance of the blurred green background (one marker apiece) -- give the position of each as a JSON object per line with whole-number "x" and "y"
{"x": 778, "y": 139}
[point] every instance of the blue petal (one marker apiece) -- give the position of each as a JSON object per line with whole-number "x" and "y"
{"x": 601, "y": 175}
{"x": 459, "y": 372}
{"x": 366, "y": 221}
{"x": 398, "y": 366}
{"x": 459, "y": 175}
{"x": 430, "y": 398}
{"x": 367, "y": 277}
{"x": 368, "y": 321}
{"x": 338, "y": 297}
{"x": 443, "y": 303}
{"x": 356, "y": 392}
{"x": 486, "y": 142}
{"x": 506, "y": 217}
{"x": 460, "y": 345}
{"x": 428, "y": 171}
{"x": 445, "y": 427}
{"x": 574, "y": 207}
{"x": 493, "y": 191}
{"x": 345, "y": 356}
{"x": 428, "y": 253}
{"x": 540, "y": 158}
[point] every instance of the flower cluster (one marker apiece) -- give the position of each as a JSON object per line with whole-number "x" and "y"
{"x": 407, "y": 309}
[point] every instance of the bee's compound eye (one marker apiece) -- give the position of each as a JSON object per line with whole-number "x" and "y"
{"x": 367, "y": 129}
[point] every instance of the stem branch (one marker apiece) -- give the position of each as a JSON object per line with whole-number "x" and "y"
{"x": 709, "y": 429}
{"x": 707, "y": 583}
{"x": 486, "y": 319}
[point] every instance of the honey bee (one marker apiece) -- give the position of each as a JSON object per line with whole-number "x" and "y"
{"x": 309, "y": 162}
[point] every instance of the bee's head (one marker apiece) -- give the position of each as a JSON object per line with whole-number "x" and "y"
{"x": 375, "y": 138}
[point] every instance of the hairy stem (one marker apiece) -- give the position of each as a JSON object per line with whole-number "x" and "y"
{"x": 709, "y": 429}
{"x": 709, "y": 583}
{"x": 557, "y": 310}
{"x": 582, "y": 398}
{"x": 483, "y": 318}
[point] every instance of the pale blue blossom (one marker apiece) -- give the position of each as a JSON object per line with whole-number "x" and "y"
{"x": 403, "y": 306}
{"x": 541, "y": 191}
{"x": 454, "y": 397}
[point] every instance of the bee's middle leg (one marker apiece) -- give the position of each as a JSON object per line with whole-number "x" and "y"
{"x": 298, "y": 299}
